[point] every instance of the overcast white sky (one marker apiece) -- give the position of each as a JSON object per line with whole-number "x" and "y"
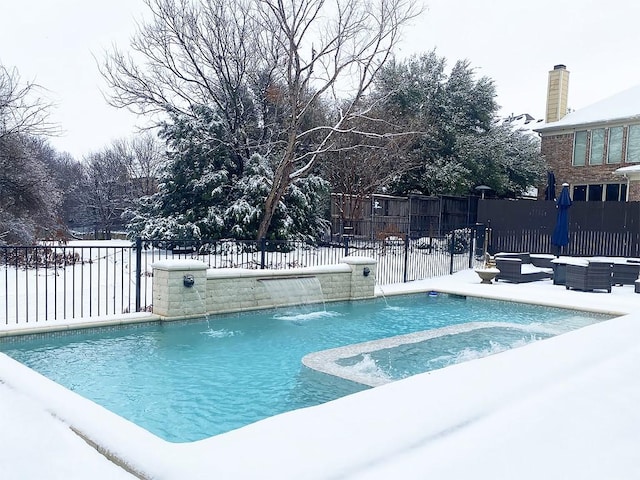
{"x": 514, "y": 43}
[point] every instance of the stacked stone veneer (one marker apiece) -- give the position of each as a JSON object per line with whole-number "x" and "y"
{"x": 235, "y": 290}
{"x": 171, "y": 298}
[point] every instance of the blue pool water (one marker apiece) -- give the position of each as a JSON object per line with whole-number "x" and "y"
{"x": 185, "y": 381}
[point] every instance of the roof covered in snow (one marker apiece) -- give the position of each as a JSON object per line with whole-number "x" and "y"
{"x": 623, "y": 106}
{"x": 523, "y": 122}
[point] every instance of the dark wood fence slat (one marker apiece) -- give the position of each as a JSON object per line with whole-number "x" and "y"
{"x": 595, "y": 228}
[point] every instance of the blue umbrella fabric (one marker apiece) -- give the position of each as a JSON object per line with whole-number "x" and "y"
{"x": 560, "y": 236}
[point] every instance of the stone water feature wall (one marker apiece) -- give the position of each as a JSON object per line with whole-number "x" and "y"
{"x": 187, "y": 288}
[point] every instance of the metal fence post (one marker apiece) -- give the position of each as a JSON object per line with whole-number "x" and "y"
{"x": 138, "y": 271}
{"x": 406, "y": 258}
{"x": 263, "y": 248}
{"x": 346, "y": 246}
{"x": 453, "y": 248}
{"x": 472, "y": 244}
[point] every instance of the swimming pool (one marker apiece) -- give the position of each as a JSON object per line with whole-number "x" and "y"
{"x": 185, "y": 381}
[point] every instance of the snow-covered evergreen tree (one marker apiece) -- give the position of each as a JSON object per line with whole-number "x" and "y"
{"x": 194, "y": 184}
{"x": 460, "y": 144}
{"x": 208, "y": 191}
{"x": 298, "y": 216}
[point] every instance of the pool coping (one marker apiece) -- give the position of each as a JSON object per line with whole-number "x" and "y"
{"x": 55, "y": 326}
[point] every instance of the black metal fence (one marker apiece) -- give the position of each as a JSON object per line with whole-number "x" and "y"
{"x": 41, "y": 283}
{"x": 46, "y": 282}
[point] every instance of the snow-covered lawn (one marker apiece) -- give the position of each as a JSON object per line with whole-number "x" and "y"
{"x": 95, "y": 278}
{"x": 561, "y": 408}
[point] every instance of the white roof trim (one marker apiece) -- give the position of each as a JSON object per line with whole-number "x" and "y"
{"x": 631, "y": 172}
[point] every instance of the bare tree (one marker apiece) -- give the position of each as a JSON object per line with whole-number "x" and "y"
{"x": 22, "y": 110}
{"x": 107, "y": 190}
{"x": 117, "y": 176}
{"x": 248, "y": 56}
{"x": 29, "y": 199}
{"x": 359, "y": 168}
{"x": 143, "y": 157}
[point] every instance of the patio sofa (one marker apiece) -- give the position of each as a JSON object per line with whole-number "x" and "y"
{"x": 625, "y": 270}
{"x": 589, "y": 274}
{"x": 518, "y": 268}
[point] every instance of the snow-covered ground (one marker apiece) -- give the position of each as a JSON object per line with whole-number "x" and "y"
{"x": 96, "y": 278}
{"x": 561, "y": 408}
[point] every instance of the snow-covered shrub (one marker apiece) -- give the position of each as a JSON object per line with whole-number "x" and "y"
{"x": 459, "y": 241}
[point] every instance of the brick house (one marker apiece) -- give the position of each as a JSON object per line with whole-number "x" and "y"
{"x": 584, "y": 148}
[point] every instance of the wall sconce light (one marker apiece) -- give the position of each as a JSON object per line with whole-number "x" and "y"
{"x": 366, "y": 271}
{"x": 188, "y": 281}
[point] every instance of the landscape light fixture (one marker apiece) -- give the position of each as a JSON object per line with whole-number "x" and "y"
{"x": 482, "y": 189}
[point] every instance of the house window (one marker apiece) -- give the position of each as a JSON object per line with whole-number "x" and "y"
{"x": 633, "y": 144}
{"x": 580, "y": 147}
{"x": 596, "y": 151}
{"x": 616, "y": 192}
{"x": 598, "y": 192}
{"x": 594, "y": 192}
{"x": 614, "y": 150}
{"x": 580, "y": 193}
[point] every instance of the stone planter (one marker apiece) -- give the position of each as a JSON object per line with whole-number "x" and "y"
{"x": 487, "y": 274}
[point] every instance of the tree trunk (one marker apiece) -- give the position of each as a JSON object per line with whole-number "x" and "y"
{"x": 280, "y": 183}
{"x": 281, "y": 180}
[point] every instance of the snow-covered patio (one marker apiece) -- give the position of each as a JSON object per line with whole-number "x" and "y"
{"x": 565, "y": 407}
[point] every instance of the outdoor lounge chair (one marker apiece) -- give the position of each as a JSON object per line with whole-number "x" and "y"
{"x": 517, "y": 268}
{"x": 583, "y": 274}
{"x": 559, "y": 265}
{"x": 625, "y": 270}
{"x": 625, "y": 273}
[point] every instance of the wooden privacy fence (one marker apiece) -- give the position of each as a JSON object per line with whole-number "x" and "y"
{"x": 581, "y": 243}
{"x": 595, "y": 228}
{"x": 608, "y": 244}
{"x": 368, "y": 217}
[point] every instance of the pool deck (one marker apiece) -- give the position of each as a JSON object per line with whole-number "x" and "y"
{"x": 574, "y": 415}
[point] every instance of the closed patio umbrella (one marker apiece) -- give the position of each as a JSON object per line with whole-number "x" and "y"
{"x": 560, "y": 235}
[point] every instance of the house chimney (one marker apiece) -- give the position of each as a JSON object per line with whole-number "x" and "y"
{"x": 557, "y": 93}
